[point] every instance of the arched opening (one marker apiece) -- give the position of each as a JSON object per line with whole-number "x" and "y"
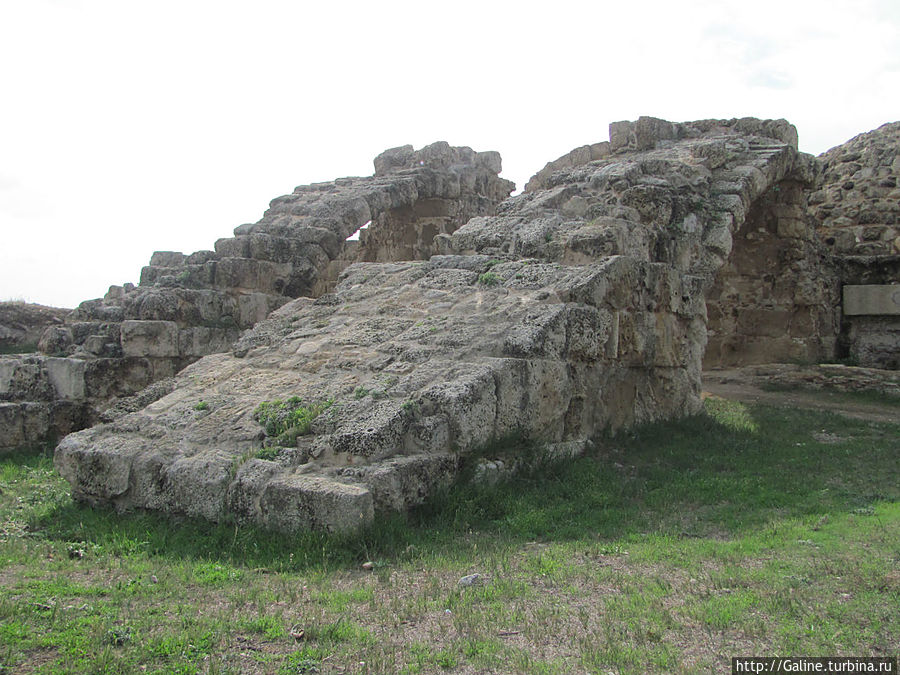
{"x": 773, "y": 300}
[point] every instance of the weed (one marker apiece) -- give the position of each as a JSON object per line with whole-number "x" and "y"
{"x": 269, "y": 453}
{"x": 117, "y": 637}
{"x": 361, "y": 392}
{"x": 488, "y": 279}
{"x": 286, "y": 420}
{"x": 202, "y": 405}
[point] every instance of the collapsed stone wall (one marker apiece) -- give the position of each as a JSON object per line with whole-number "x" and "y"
{"x": 578, "y": 305}
{"x": 189, "y": 306}
{"x": 857, "y": 212}
{"x": 22, "y": 324}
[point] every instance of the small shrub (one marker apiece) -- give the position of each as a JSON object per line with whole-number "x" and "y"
{"x": 488, "y": 279}
{"x": 361, "y": 392}
{"x": 286, "y": 420}
{"x": 271, "y": 453}
{"x": 202, "y": 405}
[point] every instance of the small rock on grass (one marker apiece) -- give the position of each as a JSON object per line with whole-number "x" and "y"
{"x": 470, "y": 580}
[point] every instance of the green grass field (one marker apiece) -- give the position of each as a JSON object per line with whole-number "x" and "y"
{"x": 670, "y": 549}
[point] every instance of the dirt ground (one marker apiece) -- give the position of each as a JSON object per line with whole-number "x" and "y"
{"x": 751, "y": 385}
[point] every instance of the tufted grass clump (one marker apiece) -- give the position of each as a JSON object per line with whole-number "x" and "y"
{"x": 288, "y": 419}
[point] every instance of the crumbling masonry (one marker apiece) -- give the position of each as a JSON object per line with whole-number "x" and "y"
{"x": 590, "y": 301}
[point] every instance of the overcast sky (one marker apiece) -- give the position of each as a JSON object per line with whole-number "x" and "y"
{"x": 129, "y": 127}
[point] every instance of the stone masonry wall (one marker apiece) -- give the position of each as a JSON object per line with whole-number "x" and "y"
{"x": 188, "y": 306}
{"x": 857, "y": 212}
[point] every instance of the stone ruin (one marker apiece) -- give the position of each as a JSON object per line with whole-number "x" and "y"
{"x": 856, "y": 210}
{"x": 101, "y": 360}
{"x": 590, "y": 301}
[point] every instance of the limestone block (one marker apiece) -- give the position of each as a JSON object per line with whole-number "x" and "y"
{"x": 96, "y": 471}
{"x": 149, "y": 338}
{"x": 202, "y": 340}
{"x": 669, "y": 347}
{"x": 253, "y": 308}
{"x": 249, "y": 482}
{"x": 882, "y": 299}
{"x": 114, "y": 294}
{"x": 7, "y": 371}
{"x": 400, "y": 483}
{"x": 252, "y": 275}
{"x": 469, "y": 400}
{"x": 67, "y": 377}
{"x": 875, "y": 341}
{"x": 763, "y": 322}
{"x": 167, "y": 259}
{"x": 295, "y": 502}
{"x": 12, "y": 433}
{"x": 35, "y": 422}
{"x": 95, "y": 344}
{"x": 197, "y": 485}
{"x": 233, "y": 247}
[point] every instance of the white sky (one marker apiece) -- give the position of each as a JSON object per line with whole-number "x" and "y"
{"x": 128, "y": 127}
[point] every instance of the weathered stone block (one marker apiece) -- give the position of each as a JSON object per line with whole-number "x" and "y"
{"x": 295, "y": 502}
{"x": 149, "y": 338}
{"x": 12, "y": 432}
{"x": 878, "y": 300}
{"x": 67, "y": 377}
{"x": 167, "y": 259}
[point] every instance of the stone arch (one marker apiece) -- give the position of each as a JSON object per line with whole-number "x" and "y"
{"x": 774, "y": 299}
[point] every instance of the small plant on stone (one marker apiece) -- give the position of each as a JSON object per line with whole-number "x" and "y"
{"x": 286, "y": 420}
{"x": 271, "y": 453}
{"x": 361, "y": 392}
{"x": 488, "y": 279}
{"x": 201, "y": 406}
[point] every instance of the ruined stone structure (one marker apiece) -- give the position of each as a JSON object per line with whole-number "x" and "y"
{"x": 578, "y": 305}
{"x": 857, "y": 211}
{"x": 590, "y": 301}
{"x": 22, "y": 325}
{"x": 188, "y": 306}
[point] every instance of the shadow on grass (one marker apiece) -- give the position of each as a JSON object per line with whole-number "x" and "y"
{"x": 728, "y": 472}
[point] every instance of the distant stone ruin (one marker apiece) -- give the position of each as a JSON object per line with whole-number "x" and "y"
{"x": 329, "y": 379}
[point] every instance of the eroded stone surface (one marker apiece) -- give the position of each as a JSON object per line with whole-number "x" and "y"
{"x": 22, "y": 324}
{"x": 188, "y": 306}
{"x": 576, "y": 306}
{"x": 856, "y": 207}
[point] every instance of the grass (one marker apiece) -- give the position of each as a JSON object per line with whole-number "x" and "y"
{"x": 670, "y": 549}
